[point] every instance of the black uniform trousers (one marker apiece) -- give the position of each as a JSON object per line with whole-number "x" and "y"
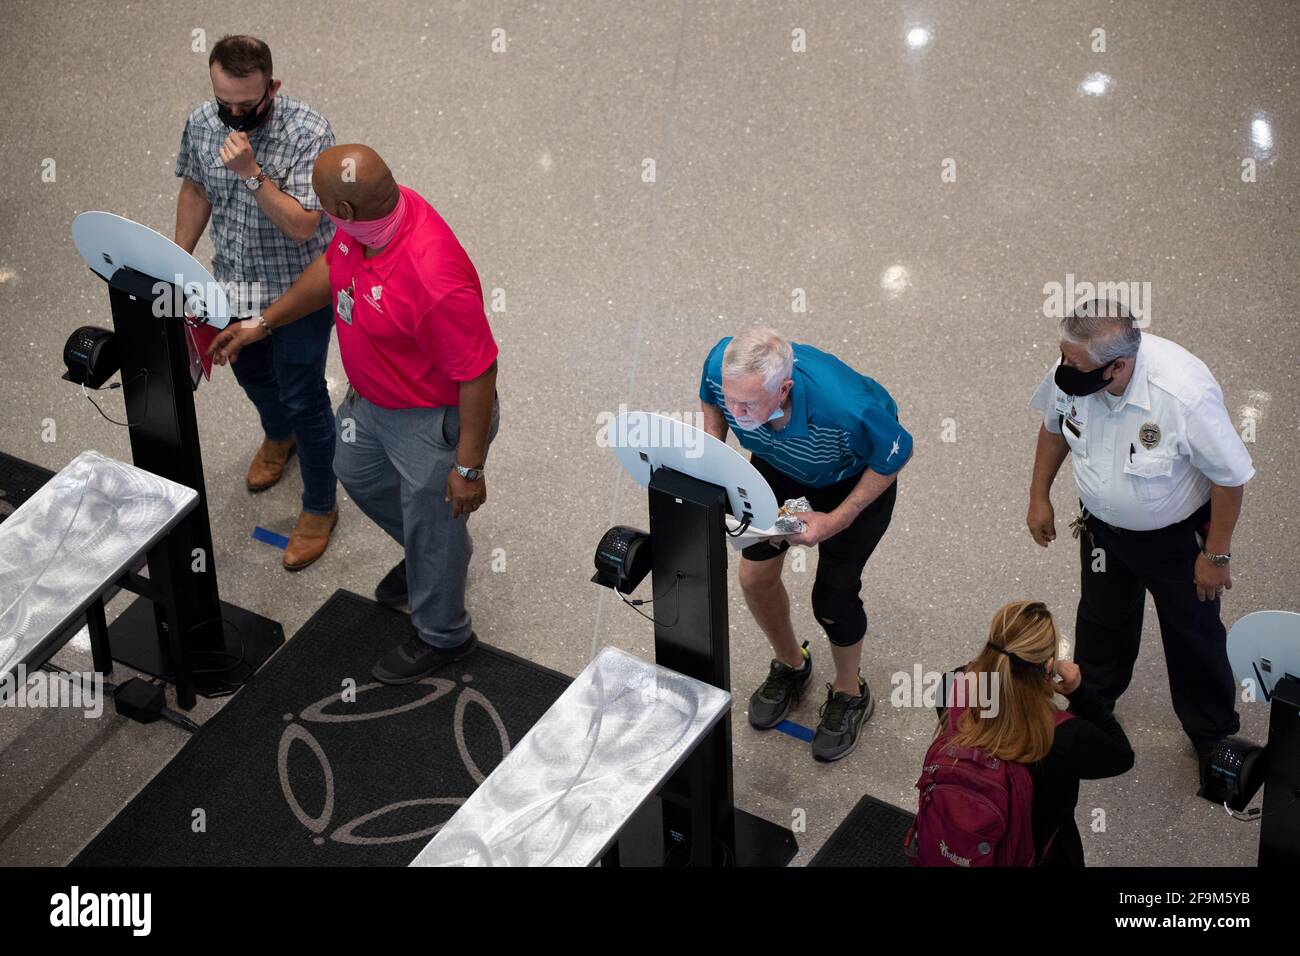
{"x": 1108, "y": 627}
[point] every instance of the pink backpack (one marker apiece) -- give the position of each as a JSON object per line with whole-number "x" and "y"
{"x": 974, "y": 810}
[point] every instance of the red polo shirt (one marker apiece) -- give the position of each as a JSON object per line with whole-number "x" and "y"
{"x": 417, "y": 326}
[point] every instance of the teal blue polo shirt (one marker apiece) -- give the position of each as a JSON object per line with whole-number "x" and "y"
{"x": 840, "y": 421}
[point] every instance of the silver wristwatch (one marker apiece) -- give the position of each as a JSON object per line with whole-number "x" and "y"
{"x": 469, "y": 474}
{"x": 1219, "y": 560}
{"x": 253, "y": 182}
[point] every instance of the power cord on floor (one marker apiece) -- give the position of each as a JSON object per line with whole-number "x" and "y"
{"x": 222, "y": 688}
{"x": 1249, "y": 816}
{"x": 1255, "y": 814}
{"x": 225, "y": 688}
{"x": 167, "y": 714}
{"x": 677, "y": 854}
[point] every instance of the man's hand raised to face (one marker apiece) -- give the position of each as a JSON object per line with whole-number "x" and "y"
{"x": 237, "y": 154}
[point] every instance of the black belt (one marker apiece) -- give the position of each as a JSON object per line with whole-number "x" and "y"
{"x": 1198, "y": 518}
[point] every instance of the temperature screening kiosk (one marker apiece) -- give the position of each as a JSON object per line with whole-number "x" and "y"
{"x": 153, "y": 285}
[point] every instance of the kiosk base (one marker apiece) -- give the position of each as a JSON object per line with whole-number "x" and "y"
{"x": 1279, "y": 826}
{"x": 759, "y": 842}
{"x": 134, "y": 640}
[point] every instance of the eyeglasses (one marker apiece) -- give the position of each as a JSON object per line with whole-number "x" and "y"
{"x": 748, "y": 406}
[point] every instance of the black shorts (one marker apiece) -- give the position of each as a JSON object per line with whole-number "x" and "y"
{"x": 841, "y": 556}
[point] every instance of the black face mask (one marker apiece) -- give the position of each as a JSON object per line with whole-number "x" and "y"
{"x": 250, "y": 120}
{"x": 1073, "y": 382}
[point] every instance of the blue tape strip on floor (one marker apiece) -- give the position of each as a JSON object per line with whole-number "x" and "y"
{"x": 795, "y": 730}
{"x": 271, "y": 538}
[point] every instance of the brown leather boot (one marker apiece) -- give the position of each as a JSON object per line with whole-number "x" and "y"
{"x": 310, "y": 537}
{"x": 268, "y": 464}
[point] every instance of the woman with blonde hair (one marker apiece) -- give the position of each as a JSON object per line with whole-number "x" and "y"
{"x": 1006, "y": 763}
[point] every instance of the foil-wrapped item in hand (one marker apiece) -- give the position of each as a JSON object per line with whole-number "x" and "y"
{"x": 787, "y": 520}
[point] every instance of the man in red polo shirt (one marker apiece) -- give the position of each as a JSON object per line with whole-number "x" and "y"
{"x": 421, "y": 409}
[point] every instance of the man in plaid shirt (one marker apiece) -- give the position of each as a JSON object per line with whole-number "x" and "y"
{"x": 245, "y": 162}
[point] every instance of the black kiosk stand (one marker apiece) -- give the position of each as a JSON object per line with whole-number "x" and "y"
{"x": 694, "y": 820}
{"x": 147, "y": 277}
{"x": 1264, "y": 650}
{"x": 1279, "y": 833}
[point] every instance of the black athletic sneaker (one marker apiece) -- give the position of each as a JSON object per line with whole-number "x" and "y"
{"x": 842, "y": 719}
{"x": 784, "y": 686}
{"x": 414, "y": 659}
{"x": 392, "y": 589}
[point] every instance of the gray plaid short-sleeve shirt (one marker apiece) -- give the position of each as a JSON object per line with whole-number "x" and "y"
{"x": 252, "y": 256}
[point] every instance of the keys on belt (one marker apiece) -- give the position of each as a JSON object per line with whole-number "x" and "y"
{"x": 1079, "y": 526}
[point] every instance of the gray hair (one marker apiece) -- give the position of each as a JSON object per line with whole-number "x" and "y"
{"x": 759, "y": 352}
{"x": 1105, "y": 328}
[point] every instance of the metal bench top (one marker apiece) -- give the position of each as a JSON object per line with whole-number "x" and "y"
{"x": 607, "y": 745}
{"x": 72, "y": 539}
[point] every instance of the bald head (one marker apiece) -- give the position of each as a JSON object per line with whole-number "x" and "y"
{"x": 354, "y": 183}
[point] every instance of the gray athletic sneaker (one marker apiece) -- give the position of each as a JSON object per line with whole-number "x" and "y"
{"x": 842, "y": 718}
{"x": 784, "y": 686}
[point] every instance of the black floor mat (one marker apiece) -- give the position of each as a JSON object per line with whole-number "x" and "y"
{"x": 871, "y": 835}
{"x": 19, "y": 480}
{"x": 288, "y": 774}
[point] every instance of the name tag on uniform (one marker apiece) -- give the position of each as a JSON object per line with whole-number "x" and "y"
{"x": 345, "y": 305}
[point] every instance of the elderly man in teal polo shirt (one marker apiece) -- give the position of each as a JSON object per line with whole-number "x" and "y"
{"x": 820, "y": 430}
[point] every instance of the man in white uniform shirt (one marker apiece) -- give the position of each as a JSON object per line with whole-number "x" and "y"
{"x": 1160, "y": 471}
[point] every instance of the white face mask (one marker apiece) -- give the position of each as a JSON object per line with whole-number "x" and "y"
{"x": 748, "y": 424}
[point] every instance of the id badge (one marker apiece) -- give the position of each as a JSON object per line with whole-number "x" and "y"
{"x": 1074, "y": 418}
{"x": 345, "y": 305}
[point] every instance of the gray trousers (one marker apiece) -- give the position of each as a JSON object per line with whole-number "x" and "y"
{"x": 394, "y": 463}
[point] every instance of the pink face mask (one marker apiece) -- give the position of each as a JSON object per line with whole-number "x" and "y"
{"x": 375, "y": 233}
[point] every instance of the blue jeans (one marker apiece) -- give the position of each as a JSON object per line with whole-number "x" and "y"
{"x": 284, "y": 377}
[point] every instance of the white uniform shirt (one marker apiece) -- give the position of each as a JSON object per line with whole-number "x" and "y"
{"x": 1146, "y": 459}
